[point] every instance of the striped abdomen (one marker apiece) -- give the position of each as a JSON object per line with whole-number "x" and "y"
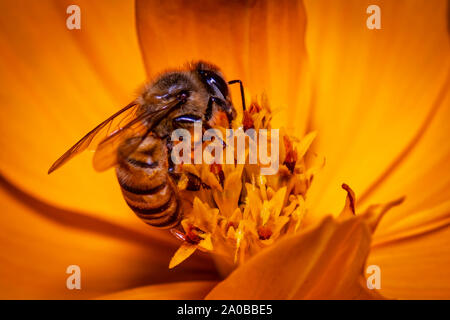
{"x": 146, "y": 185}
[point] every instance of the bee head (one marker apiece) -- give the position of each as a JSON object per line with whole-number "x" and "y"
{"x": 212, "y": 79}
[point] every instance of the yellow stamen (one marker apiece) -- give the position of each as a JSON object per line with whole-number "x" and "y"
{"x": 241, "y": 212}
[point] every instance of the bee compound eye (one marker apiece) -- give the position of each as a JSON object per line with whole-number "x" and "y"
{"x": 214, "y": 82}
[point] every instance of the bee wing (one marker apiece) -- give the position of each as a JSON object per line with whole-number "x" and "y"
{"x": 91, "y": 138}
{"x": 117, "y": 131}
{"x": 121, "y": 143}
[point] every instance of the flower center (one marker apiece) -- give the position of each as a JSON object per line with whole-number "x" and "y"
{"x": 235, "y": 211}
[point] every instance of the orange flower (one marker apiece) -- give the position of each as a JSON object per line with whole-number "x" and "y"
{"x": 378, "y": 100}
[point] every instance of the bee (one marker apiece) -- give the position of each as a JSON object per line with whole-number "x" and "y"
{"x": 136, "y": 139}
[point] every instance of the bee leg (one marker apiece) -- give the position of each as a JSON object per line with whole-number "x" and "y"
{"x": 223, "y": 105}
{"x": 170, "y": 164}
{"x": 195, "y": 183}
{"x": 242, "y": 91}
{"x": 207, "y": 127}
{"x": 208, "y": 113}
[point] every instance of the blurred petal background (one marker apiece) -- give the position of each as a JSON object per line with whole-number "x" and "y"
{"x": 379, "y": 100}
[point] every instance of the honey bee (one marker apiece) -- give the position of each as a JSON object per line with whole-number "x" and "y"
{"x": 136, "y": 139}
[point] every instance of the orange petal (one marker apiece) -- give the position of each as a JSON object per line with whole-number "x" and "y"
{"x": 183, "y": 252}
{"x": 259, "y": 42}
{"x": 323, "y": 262}
{"x": 414, "y": 255}
{"x": 38, "y": 242}
{"x": 377, "y": 92}
{"x": 424, "y": 175}
{"x": 170, "y": 291}
{"x": 417, "y": 224}
{"x": 59, "y": 84}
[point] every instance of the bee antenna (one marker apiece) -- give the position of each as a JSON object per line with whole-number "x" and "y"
{"x": 242, "y": 91}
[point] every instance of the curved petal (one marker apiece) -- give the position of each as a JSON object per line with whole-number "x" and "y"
{"x": 38, "y": 242}
{"x": 259, "y": 42}
{"x": 376, "y": 93}
{"x": 59, "y": 84}
{"x": 424, "y": 175}
{"x": 169, "y": 291}
{"x": 324, "y": 262}
{"x": 414, "y": 255}
{"x": 415, "y": 225}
